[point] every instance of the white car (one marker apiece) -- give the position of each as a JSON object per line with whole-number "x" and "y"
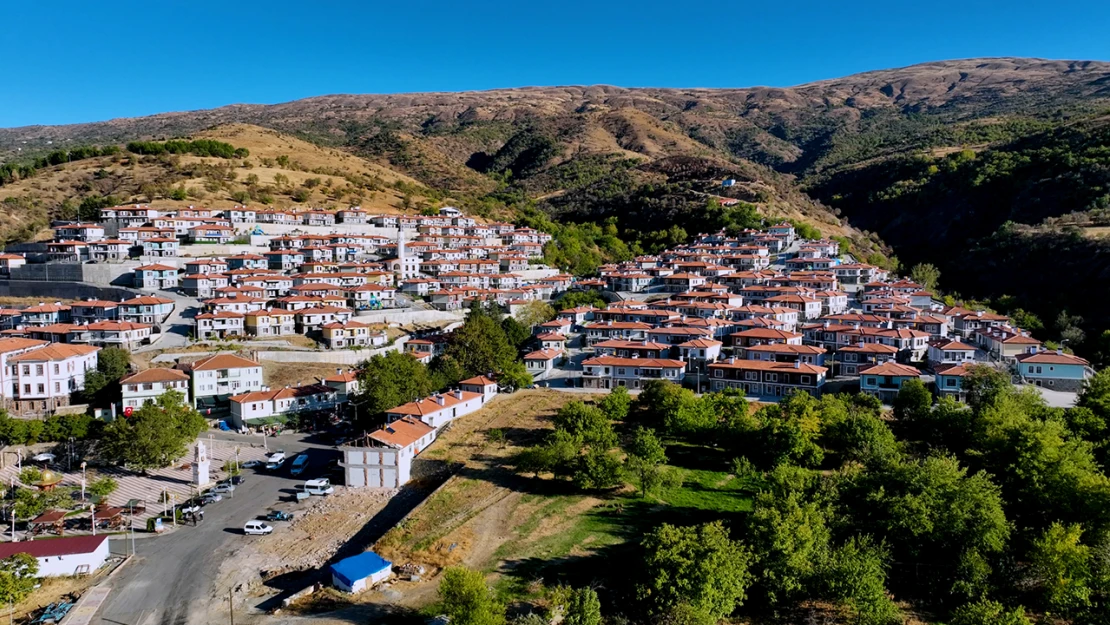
{"x": 250, "y": 464}
{"x": 222, "y": 488}
{"x": 257, "y": 528}
{"x": 190, "y": 507}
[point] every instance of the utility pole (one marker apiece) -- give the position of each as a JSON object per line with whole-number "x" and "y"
{"x": 132, "y": 513}
{"x": 230, "y": 607}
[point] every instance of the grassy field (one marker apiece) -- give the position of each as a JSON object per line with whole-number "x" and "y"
{"x": 521, "y": 529}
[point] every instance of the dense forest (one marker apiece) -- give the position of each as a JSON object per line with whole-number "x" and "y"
{"x": 994, "y": 511}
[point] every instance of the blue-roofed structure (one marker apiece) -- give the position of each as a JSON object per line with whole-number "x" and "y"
{"x": 357, "y": 573}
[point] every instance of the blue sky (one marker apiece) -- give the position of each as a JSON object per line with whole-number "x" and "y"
{"x": 76, "y": 60}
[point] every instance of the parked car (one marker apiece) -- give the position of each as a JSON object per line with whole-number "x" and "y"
{"x": 234, "y": 480}
{"x": 257, "y": 528}
{"x": 190, "y": 507}
{"x": 300, "y": 463}
{"x": 276, "y": 456}
{"x": 222, "y": 488}
{"x": 278, "y": 515}
{"x": 250, "y": 464}
{"x": 321, "y": 486}
{"x": 274, "y": 466}
{"x": 210, "y": 498}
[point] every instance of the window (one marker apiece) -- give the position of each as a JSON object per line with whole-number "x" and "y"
{"x": 26, "y": 369}
{"x": 950, "y": 382}
{"x": 27, "y": 389}
{"x": 42, "y": 389}
{"x": 57, "y": 387}
{"x": 870, "y": 381}
{"x": 57, "y": 369}
{"x": 751, "y": 375}
{"x": 772, "y": 377}
{"x": 805, "y": 379}
{"x": 717, "y": 373}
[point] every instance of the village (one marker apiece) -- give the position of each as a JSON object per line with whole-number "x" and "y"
{"x": 204, "y": 298}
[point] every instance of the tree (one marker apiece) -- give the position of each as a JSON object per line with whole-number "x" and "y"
{"x": 789, "y": 432}
{"x": 984, "y": 384}
{"x": 646, "y": 455}
{"x": 699, "y": 566}
{"x": 912, "y": 400}
{"x": 389, "y": 380}
{"x": 986, "y": 612}
{"x": 586, "y": 423}
{"x": 574, "y": 299}
{"x": 658, "y": 401}
{"x": 925, "y": 274}
{"x": 1070, "y": 328}
{"x": 933, "y": 512}
{"x": 103, "y": 486}
{"x": 154, "y": 435}
{"x": 515, "y": 374}
{"x": 534, "y": 313}
{"x": 856, "y": 578}
{"x": 615, "y": 405}
{"x": 516, "y": 333}
{"x": 1061, "y": 565}
{"x": 598, "y": 469}
{"x": 467, "y": 600}
{"x": 480, "y": 345}
{"x": 17, "y": 577}
{"x": 791, "y": 536}
{"x": 580, "y": 606}
{"x": 1096, "y": 394}
{"x": 102, "y": 385}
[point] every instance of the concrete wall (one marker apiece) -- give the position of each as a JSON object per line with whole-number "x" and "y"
{"x": 407, "y": 317}
{"x": 53, "y": 289}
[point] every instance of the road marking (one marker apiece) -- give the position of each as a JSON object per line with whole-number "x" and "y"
{"x": 88, "y": 605}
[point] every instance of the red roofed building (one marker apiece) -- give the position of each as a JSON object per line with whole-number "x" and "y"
{"x": 439, "y": 409}
{"x": 613, "y": 371}
{"x": 767, "y": 379}
{"x": 885, "y": 380}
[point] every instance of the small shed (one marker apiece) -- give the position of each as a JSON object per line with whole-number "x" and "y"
{"x": 357, "y": 573}
{"x": 49, "y": 521}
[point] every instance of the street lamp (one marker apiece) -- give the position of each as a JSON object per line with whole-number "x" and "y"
{"x": 69, "y": 459}
{"x": 84, "y": 465}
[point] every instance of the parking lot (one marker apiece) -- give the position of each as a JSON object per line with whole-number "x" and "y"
{"x": 181, "y": 578}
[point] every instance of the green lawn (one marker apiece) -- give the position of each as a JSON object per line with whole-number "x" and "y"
{"x": 604, "y": 535}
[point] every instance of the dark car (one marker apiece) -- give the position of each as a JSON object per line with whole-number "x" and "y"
{"x": 234, "y": 480}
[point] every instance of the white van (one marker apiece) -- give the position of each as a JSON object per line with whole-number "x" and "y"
{"x": 300, "y": 463}
{"x": 321, "y": 486}
{"x": 257, "y": 528}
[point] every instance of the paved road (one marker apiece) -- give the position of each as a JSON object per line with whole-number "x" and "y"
{"x": 173, "y": 575}
{"x": 176, "y": 329}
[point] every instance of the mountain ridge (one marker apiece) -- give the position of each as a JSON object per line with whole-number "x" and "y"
{"x": 922, "y": 79}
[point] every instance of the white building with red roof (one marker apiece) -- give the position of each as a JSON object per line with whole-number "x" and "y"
{"x": 439, "y": 409}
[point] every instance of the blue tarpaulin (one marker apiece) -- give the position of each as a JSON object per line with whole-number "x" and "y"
{"x": 365, "y": 565}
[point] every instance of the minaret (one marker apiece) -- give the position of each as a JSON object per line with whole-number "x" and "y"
{"x": 400, "y": 251}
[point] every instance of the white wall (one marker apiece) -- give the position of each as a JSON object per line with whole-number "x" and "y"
{"x": 68, "y": 565}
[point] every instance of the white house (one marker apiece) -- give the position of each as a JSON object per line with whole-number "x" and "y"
{"x": 612, "y": 371}
{"x": 221, "y": 376}
{"x": 438, "y": 410}
{"x": 387, "y": 461}
{"x": 66, "y": 556}
{"x": 9, "y": 348}
{"x": 146, "y": 386}
{"x": 283, "y": 401}
{"x": 482, "y": 385}
{"x": 950, "y": 352}
{"x": 48, "y": 376}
